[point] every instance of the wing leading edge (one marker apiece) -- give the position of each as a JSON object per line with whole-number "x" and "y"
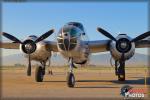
{"x": 8, "y": 45}
{"x": 142, "y": 44}
{"x": 98, "y": 45}
{"x": 104, "y": 45}
{"x": 49, "y": 45}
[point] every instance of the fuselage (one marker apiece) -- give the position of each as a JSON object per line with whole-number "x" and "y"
{"x": 70, "y": 42}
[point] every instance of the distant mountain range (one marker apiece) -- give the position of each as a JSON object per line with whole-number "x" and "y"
{"x": 96, "y": 59}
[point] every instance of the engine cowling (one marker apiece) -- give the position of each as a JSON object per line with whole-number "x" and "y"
{"x": 37, "y": 51}
{"x": 122, "y": 45}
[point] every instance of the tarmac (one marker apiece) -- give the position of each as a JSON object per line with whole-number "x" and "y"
{"x": 89, "y": 84}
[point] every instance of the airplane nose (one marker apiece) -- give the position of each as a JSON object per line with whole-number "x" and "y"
{"x": 66, "y": 44}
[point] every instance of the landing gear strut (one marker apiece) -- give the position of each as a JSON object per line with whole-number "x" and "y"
{"x": 70, "y": 75}
{"x": 120, "y": 70}
{"x": 40, "y": 72}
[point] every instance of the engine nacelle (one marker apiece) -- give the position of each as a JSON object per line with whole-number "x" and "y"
{"x": 37, "y": 51}
{"x": 122, "y": 45}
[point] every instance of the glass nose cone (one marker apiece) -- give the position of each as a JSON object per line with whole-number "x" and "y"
{"x": 66, "y": 44}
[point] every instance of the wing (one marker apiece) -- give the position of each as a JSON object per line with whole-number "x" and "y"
{"x": 50, "y": 46}
{"x": 7, "y": 45}
{"x": 103, "y": 45}
{"x": 142, "y": 44}
{"x": 98, "y": 45}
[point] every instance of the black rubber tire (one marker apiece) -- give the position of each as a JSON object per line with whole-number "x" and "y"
{"x": 70, "y": 80}
{"x": 39, "y": 74}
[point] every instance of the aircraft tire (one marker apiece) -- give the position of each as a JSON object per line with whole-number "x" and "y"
{"x": 70, "y": 80}
{"x": 39, "y": 74}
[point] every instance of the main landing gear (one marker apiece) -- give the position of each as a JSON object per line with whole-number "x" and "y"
{"x": 120, "y": 70}
{"x": 40, "y": 72}
{"x": 70, "y": 75}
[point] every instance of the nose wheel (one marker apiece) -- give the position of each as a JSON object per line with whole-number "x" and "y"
{"x": 39, "y": 75}
{"x": 70, "y": 75}
{"x": 70, "y": 80}
{"x": 40, "y": 72}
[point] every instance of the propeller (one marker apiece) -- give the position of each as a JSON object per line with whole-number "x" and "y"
{"x": 138, "y": 38}
{"x": 42, "y": 37}
{"x": 107, "y": 34}
{"x": 11, "y": 37}
{"x": 28, "y": 45}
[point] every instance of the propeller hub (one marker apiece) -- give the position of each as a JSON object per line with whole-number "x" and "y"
{"x": 123, "y": 45}
{"x": 28, "y": 46}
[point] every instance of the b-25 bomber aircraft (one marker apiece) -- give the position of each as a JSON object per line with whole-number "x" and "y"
{"x": 71, "y": 44}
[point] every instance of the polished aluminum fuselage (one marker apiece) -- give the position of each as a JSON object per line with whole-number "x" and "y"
{"x": 81, "y": 51}
{"x": 79, "y": 54}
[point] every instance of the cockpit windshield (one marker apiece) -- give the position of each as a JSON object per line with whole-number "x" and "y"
{"x": 33, "y": 36}
{"x": 72, "y": 31}
{"x": 77, "y": 24}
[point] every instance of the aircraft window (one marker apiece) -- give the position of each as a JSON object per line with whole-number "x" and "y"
{"x": 33, "y": 36}
{"x": 73, "y": 32}
{"x": 72, "y": 46}
{"x": 60, "y": 40}
{"x": 65, "y": 30}
{"x": 79, "y": 25}
{"x": 73, "y": 40}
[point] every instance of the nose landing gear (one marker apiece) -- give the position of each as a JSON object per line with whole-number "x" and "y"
{"x": 40, "y": 72}
{"x": 70, "y": 79}
{"x": 70, "y": 75}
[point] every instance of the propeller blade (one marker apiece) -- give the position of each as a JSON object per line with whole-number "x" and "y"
{"x": 29, "y": 67}
{"x": 44, "y": 36}
{"x": 11, "y": 37}
{"x": 107, "y": 34}
{"x": 140, "y": 37}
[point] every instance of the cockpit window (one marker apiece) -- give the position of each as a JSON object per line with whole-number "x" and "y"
{"x": 73, "y": 32}
{"x": 79, "y": 25}
{"x": 66, "y": 30}
{"x": 33, "y": 36}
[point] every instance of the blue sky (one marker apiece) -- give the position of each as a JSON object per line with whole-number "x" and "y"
{"x": 24, "y": 19}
